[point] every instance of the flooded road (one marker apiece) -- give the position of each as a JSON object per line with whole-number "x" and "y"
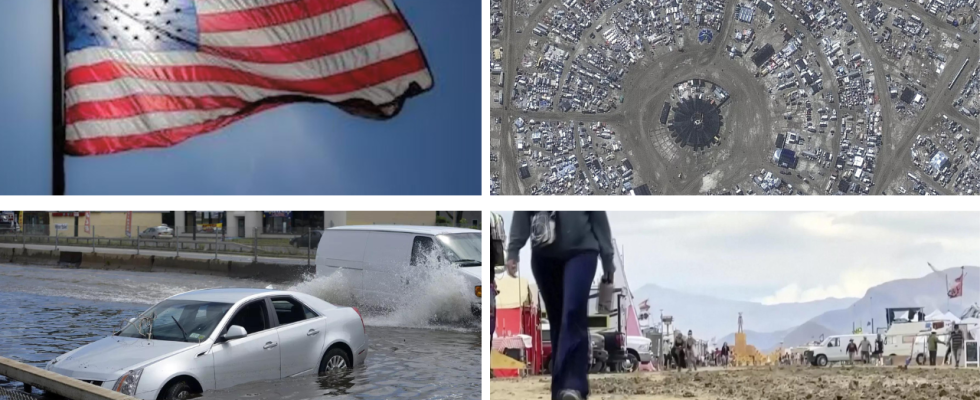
{"x": 46, "y": 312}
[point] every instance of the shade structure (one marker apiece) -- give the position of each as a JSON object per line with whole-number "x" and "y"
{"x": 696, "y": 122}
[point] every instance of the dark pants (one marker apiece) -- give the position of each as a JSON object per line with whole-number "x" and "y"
{"x": 932, "y": 357}
{"x": 564, "y": 287}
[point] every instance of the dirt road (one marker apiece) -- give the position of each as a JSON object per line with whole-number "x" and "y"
{"x": 787, "y": 383}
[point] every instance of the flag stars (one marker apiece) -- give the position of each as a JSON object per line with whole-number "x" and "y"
{"x": 159, "y": 24}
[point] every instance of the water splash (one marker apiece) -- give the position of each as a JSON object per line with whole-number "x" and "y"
{"x": 438, "y": 297}
{"x": 336, "y": 288}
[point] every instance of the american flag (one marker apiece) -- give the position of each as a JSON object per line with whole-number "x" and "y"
{"x": 153, "y": 73}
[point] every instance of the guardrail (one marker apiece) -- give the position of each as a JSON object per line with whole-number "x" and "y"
{"x": 116, "y": 238}
{"x": 56, "y": 383}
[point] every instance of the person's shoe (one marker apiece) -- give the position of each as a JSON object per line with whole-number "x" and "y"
{"x": 569, "y": 394}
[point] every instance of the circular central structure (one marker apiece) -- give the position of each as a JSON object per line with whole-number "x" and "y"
{"x": 696, "y": 123}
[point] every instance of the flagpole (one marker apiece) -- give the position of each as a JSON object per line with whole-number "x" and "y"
{"x": 57, "y": 102}
{"x": 947, "y": 294}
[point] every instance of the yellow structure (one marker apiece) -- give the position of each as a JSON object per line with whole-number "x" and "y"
{"x": 102, "y": 224}
{"x": 500, "y": 361}
{"x": 746, "y": 354}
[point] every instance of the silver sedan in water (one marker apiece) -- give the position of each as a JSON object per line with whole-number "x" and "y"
{"x": 218, "y": 338}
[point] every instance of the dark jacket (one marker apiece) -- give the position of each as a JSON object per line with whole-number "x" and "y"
{"x": 956, "y": 339}
{"x": 575, "y": 232}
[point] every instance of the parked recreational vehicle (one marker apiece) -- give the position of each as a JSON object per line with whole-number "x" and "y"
{"x": 909, "y": 339}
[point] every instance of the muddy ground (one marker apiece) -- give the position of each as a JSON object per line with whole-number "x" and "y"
{"x": 787, "y": 383}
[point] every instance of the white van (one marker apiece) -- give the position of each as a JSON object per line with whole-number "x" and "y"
{"x": 834, "y": 349}
{"x": 909, "y": 339}
{"x": 385, "y": 263}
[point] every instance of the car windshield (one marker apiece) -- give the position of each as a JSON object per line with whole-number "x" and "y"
{"x": 463, "y": 247}
{"x": 177, "y": 321}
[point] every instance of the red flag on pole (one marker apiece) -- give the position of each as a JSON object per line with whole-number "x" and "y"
{"x": 957, "y": 289}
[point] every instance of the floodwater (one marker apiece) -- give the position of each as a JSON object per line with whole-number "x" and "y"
{"x": 423, "y": 350}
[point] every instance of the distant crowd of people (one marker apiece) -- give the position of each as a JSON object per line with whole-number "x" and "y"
{"x": 681, "y": 353}
{"x": 955, "y": 349}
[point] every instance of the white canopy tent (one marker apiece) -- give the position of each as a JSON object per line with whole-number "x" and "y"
{"x": 936, "y": 316}
{"x": 948, "y": 316}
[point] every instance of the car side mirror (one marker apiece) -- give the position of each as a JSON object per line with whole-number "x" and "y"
{"x": 234, "y": 332}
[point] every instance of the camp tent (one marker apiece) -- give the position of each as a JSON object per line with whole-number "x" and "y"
{"x": 948, "y": 316}
{"x": 936, "y": 316}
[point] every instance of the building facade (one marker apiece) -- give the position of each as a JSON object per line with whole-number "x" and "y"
{"x": 249, "y": 224}
{"x": 100, "y": 224}
{"x": 233, "y": 224}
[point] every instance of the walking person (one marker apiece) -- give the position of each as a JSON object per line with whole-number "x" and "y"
{"x": 949, "y": 349}
{"x": 566, "y": 246}
{"x": 692, "y": 361}
{"x": 865, "y": 348}
{"x": 879, "y": 351}
{"x": 678, "y": 352}
{"x": 933, "y": 342}
{"x": 956, "y": 344}
{"x": 851, "y": 351}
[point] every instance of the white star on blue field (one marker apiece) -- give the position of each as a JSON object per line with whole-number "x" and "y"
{"x": 157, "y": 25}
{"x": 432, "y": 148}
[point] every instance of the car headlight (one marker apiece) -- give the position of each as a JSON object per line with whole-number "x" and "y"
{"x": 126, "y": 384}
{"x": 478, "y": 290}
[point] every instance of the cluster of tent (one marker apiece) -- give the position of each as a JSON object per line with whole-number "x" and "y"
{"x": 972, "y": 323}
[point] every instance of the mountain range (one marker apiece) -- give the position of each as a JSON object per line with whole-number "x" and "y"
{"x": 795, "y": 324}
{"x": 711, "y": 317}
{"x": 928, "y": 292}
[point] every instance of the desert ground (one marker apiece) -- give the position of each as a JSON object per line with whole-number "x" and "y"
{"x": 786, "y": 383}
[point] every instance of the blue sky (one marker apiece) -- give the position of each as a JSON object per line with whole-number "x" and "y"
{"x": 432, "y": 148}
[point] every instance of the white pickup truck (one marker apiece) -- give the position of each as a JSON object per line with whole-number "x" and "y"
{"x": 639, "y": 350}
{"x": 834, "y": 349}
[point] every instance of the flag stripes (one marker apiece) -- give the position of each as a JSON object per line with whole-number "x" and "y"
{"x": 250, "y": 56}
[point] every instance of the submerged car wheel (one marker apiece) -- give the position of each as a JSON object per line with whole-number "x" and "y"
{"x": 334, "y": 361}
{"x": 178, "y": 390}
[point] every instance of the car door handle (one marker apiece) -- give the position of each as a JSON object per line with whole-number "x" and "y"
{"x": 312, "y": 332}
{"x": 269, "y": 345}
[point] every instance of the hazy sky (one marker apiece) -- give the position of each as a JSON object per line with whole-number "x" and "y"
{"x": 433, "y": 147}
{"x": 782, "y": 257}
